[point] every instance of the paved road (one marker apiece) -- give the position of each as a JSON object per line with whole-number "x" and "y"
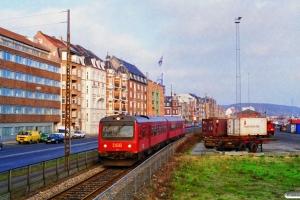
{"x": 287, "y": 142}
{"x": 15, "y": 155}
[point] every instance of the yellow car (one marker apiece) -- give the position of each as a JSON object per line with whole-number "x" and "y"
{"x": 28, "y": 136}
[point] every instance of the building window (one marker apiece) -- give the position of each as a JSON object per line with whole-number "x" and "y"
{"x": 73, "y": 99}
{"x": 39, "y": 111}
{"x": 87, "y": 103}
{"x": 63, "y": 100}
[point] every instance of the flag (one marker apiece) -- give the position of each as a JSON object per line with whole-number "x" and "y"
{"x": 160, "y": 62}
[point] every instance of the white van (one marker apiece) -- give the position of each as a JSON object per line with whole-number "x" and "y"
{"x": 61, "y": 129}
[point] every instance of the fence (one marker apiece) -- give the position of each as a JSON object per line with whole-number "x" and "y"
{"x": 16, "y": 182}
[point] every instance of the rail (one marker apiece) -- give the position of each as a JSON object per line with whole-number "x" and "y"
{"x": 130, "y": 184}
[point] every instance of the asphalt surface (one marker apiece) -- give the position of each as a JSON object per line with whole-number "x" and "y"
{"x": 284, "y": 145}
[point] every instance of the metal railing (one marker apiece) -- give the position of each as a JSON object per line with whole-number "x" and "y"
{"x": 18, "y": 181}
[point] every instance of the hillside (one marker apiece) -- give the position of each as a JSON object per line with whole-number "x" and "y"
{"x": 271, "y": 109}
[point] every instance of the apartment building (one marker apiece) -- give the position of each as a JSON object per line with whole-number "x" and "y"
{"x": 88, "y": 83}
{"x": 127, "y": 88}
{"x": 171, "y": 106}
{"x": 155, "y": 94}
{"x": 117, "y": 77}
{"x": 29, "y": 86}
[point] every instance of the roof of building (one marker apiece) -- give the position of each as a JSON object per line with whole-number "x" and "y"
{"x": 132, "y": 68}
{"x": 22, "y": 39}
{"x": 54, "y": 41}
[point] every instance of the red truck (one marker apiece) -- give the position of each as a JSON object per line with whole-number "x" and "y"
{"x": 271, "y": 128}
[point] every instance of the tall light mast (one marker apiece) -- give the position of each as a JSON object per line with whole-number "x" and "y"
{"x": 238, "y": 69}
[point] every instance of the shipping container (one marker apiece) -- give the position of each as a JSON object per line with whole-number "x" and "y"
{"x": 214, "y": 127}
{"x": 298, "y": 128}
{"x": 247, "y": 127}
{"x": 291, "y": 128}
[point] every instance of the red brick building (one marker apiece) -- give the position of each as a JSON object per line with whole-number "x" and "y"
{"x": 30, "y": 90}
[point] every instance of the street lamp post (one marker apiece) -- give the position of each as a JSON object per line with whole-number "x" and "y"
{"x": 238, "y": 69}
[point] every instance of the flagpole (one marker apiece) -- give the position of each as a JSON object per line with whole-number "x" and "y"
{"x": 163, "y": 70}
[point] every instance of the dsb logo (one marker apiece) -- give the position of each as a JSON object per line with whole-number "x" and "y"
{"x": 117, "y": 144}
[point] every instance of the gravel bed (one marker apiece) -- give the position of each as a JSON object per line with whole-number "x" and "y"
{"x": 65, "y": 185}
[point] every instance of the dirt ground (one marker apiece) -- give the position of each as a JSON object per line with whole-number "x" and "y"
{"x": 160, "y": 186}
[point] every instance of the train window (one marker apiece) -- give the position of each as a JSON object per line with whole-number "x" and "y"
{"x": 140, "y": 132}
{"x": 144, "y": 132}
{"x": 153, "y": 130}
{"x": 118, "y": 131}
{"x": 150, "y": 131}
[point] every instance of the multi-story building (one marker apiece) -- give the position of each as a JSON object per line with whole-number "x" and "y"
{"x": 171, "y": 106}
{"x": 134, "y": 95}
{"x": 88, "y": 83}
{"x": 117, "y": 77}
{"x": 210, "y": 106}
{"x": 155, "y": 106}
{"x": 30, "y": 90}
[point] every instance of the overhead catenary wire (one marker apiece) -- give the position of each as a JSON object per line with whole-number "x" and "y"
{"x": 38, "y": 25}
{"x": 32, "y": 16}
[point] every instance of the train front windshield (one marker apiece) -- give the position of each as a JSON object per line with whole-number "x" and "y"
{"x": 117, "y": 131}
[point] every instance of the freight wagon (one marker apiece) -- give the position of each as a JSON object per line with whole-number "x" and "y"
{"x": 238, "y": 133}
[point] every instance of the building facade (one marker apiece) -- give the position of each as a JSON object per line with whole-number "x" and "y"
{"x": 171, "y": 106}
{"x": 29, "y": 86}
{"x": 88, "y": 84}
{"x": 117, "y": 77}
{"x": 136, "y": 87}
{"x": 155, "y": 106}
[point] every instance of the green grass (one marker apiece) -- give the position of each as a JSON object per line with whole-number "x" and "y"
{"x": 228, "y": 177}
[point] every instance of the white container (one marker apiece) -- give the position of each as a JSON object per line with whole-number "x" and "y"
{"x": 247, "y": 126}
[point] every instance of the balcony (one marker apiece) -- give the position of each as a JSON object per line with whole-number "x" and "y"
{"x": 117, "y": 97}
{"x": 123, "y": 87}
{"x": 110, "y": 98}
{"x": 110, "y": 86}
{"x": 74, "y": 92}
{"x": 109, "y": 111}
{"x": 123, "y": 109}
{"x": 117, "y": 85}
{"x": 74, "y": 77}
{"x": 124, "y": 99}
{"x": 74, "y": 106}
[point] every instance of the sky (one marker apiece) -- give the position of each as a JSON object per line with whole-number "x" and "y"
{"x": 196, "y": 37}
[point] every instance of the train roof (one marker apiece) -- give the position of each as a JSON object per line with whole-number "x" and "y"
{"x": 141, "y": 118}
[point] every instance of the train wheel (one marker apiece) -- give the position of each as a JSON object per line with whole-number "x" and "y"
{"x": 242, "y": 147}
{"x": 220, "y": 146}
{"x": 253, "y": 147}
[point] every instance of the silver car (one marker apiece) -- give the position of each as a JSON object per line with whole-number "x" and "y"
{"x": 79, "y": 134}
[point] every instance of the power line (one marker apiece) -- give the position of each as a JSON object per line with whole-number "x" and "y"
{"x": 31, "y": 16}
{"x": 38, "y": 25}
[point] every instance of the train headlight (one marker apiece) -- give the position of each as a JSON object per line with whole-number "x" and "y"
{"x": 105, "y": 145}
{"x": 129, "y": 146}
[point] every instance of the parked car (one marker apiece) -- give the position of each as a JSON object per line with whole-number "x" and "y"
{"x": 1, "y": 145}
{"x": 44, "y": 136}
{"x": 79, "y": 134}
{"x": 55, "y": 138}
{"x": 28, "y": 136}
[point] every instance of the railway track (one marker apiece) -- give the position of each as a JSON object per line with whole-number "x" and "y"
{"x": 91, "y": 187}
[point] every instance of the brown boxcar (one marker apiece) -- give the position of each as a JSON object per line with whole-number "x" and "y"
{"x": 214, "y": 127}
